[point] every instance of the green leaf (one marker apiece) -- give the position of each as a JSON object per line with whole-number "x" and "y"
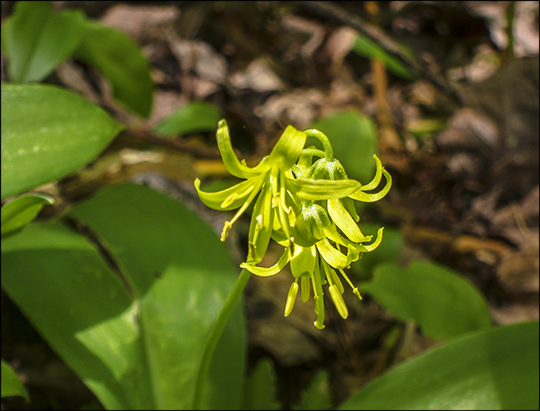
{"x": 368, "y": 49}
{"x": 35, "y": 40}
{"x": 317, "y": 395}
{"x": 119, "y": 59}
{"x": 443, "y": 303}
{"x": 197, "y": 116}
{"x": 11, "y": 384}
{"x": 48, "y": 133}
{"x": 22, "y": 210}
{"x": 354, "y": 139}
{"x": 387, "y": 251}
{"x": 493, "y": 369}
{"x": 140, "y": 347}
{"x": 260, "y": 388}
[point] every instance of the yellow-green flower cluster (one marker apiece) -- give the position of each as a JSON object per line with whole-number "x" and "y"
{"x": 305, "y": 205}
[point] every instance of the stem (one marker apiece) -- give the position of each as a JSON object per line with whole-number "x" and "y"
{"x": 215, "y": 334}
{"x": 328, "y": 150}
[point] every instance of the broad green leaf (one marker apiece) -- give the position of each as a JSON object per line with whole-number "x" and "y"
{"x": 35, "y": 40}
{"x": 354, "y": 139}
{"x": 387, "y": 251}
{"x": 140, "y": 348}
{"x": 491, "y": 369}
{"x": 120, "y": 60}
{"x": 260, "y": 388}
{"x": 443, "y": 303}
{"x": 197, "y": 116}
{"x": 22, "y": 210}
{"x": 368, "y": 49}
{"x": 60, "y": 282}
{"x": 48, "y": 133}
{"x": 11, "y": 384}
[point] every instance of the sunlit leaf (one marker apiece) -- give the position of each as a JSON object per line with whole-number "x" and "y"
{"x": 35, "y": 39}
{"x": 120, "y": 60}
{"x": 11, "y": 384}
{"x": 136, "y": 343}
{"x": 48, "y": 133}
{"x": 491, "y": 369}
{"x": 20, "y": 211}
{"x": 197, "y": 116}
{"x": 443, "y": 303}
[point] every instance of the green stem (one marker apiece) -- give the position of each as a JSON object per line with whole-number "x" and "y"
{"x": 215, "y": 334}
{"x": 328, "y": 150}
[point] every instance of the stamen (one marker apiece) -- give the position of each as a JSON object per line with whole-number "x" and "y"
{"x": 226, "y": 227}
{"x": 306, "y": 288}
{"x": 338, "y": 301}
{"x": 333, "y": 277}
{"x": 229, "y": 200}
{"x": 291, "y": 298}
{"x": 348, "y": 281}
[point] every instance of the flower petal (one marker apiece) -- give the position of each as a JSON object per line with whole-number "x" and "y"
{"x": 228, "y": 199}
{"x": 332, "y": 276}
{"x": 303, "y": 261}
{"x": 341, "y": 217}
{"x": 378, "y": 173}
{"x": 287, "y": 149}
{"x": 331, "y": 255}
{"x": 372, "y": 246}
{"x": 310, "y": 189}
{"x": 230, "y": 160}
{"x": 267, "y": 272}
{"x": 261, "y": 225}
{"x": 359, "y": 195}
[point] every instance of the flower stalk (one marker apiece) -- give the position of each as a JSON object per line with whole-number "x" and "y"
{"x": 307, "y": 207}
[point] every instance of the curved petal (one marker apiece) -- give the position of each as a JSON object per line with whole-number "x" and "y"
{"x": 235, "y": 167}
{"x": 331, "y": 255}
{"x": 310, "y": 189}
{"x": 377, "y": 179}
{"x": 359, "y": 195}
{"x": 341, "y": 217}
{"x": 287, "y": 149}
{"x": 228, "y": 199}
{"x": 372, "y": 246}
{"x": 267, "y": 272}
{"x": 348, "y": 203}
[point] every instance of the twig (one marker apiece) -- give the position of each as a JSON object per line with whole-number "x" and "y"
{"x": 417, "y": 66}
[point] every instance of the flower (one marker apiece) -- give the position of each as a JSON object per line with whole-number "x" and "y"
{"x": 273, "y": 180}
{"x": 316, "y": 251}
{"x": 307, "y": 207}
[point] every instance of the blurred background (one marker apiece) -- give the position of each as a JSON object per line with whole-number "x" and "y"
{"x": 446, "y": 94}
